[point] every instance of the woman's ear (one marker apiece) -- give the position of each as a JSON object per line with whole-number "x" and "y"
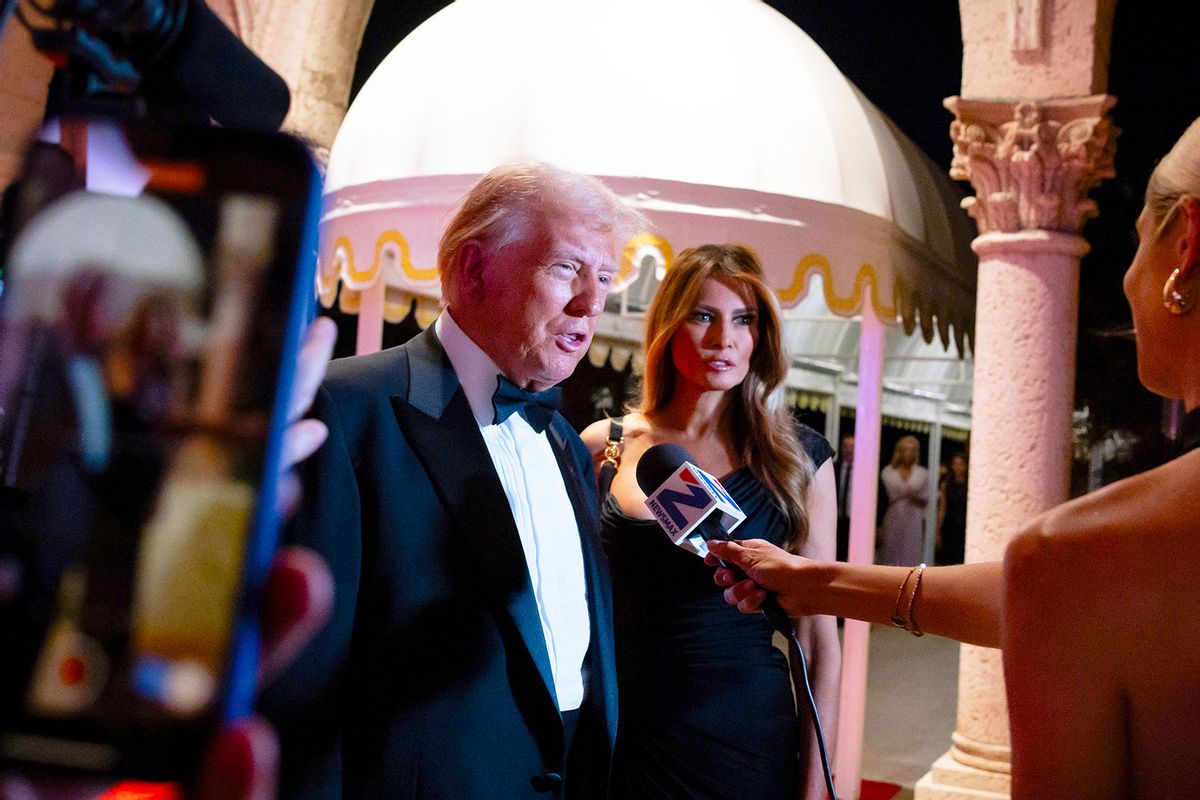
{"x": 1189, "y": 244}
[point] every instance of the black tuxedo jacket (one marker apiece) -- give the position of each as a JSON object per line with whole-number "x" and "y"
{"x": 432, "y": 679}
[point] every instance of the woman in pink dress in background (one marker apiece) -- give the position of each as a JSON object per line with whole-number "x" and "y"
{"x": 907, "y": 485}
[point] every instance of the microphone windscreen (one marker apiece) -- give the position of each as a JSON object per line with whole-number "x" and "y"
{"x": 211, "y": 67}
{"x": 658, "y": 463}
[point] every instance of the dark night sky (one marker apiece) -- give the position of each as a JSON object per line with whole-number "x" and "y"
{"x": 906, "y": 56}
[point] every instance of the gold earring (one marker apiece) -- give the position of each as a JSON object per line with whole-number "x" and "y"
{"x": 1177, "y": 302}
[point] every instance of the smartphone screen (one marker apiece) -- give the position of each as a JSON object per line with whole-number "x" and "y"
{"x": 148, "y": 330}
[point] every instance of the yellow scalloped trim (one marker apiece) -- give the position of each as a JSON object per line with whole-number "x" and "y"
{"x": 343, "y": 252}
{"x": 427, "y": 311}
{"x": 397, "y": 304}
{"x": 807, "y": 266}
{"x": 343, "y": 245}
{"x": 326, "y": 285}
{"x": 349, "y": 300}
{"x": 845, "y": 306}
{"x": 626, "y": 269}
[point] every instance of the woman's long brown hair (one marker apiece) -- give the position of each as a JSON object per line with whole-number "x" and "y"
{"x": 764, "y": 438}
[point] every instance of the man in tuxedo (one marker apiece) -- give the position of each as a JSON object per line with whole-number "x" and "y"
{"x": 469, "y": 654}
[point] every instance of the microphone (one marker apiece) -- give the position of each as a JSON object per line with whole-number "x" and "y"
{"x": 177, "y": 55}
{"x": 210, "y": 67}
{"x": 692, "y": 507}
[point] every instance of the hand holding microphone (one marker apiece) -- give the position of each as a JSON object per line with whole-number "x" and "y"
{"x": 753, "y": 570}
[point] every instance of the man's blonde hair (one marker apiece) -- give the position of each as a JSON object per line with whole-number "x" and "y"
{"x": 514, "y": 200}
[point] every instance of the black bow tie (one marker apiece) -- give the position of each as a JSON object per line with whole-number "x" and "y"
{"x": 535, "y": 407}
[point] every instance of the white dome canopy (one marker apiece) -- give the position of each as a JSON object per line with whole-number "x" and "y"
{"x": 720, "y": 119}
{"x": 714, "y": 92}
{"x": 140, "y": 242}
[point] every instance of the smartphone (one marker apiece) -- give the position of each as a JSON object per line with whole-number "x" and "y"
{"x": 149, "y": 325}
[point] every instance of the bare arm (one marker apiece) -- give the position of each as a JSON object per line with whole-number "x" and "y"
{"x": 818, "y": 635}
{"x": 960, "y": 602}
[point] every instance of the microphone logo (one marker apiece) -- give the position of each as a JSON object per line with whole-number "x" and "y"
{"x": 688, "y": 499}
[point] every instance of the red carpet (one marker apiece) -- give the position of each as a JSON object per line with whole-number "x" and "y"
{"x": 874, "y": 790}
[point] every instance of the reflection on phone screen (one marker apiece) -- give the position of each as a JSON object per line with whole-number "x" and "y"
{"x": 139, "y": 346}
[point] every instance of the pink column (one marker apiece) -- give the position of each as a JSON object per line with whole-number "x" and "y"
{"x": 1031, "y": 164}
{"x": 370, "y": 318}
{"x": 863, "y": 486}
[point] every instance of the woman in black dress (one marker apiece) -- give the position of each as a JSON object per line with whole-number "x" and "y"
{"x": 952, "y": 512}
{"x": 706, "y": 704}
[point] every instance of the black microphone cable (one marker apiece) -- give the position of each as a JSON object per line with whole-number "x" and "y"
{"x": 814, "y": 715}
{"x": 781, "y": 622}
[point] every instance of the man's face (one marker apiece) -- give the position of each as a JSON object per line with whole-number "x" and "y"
{"x": 848, "y": 448}
{"x": 541, "y": 299}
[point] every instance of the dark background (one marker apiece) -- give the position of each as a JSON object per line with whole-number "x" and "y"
{"x": 906, "y": 56}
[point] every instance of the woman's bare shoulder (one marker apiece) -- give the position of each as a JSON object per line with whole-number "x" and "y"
{"x": 1123, "y": 559}
{"x": 1129, "y": 515}
{"x": 637, "y": 425}
{"x": 595, "y": 436}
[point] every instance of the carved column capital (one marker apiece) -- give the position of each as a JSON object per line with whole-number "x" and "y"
{"x": 1032, "y": 162}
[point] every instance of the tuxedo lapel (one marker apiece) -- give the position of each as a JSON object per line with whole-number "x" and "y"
{"x": 586, "y": 515}
{"x": 438, "y": 424}
{"x": 602, "y": 661}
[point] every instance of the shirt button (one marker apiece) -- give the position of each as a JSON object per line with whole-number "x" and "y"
{"x": 546, "y": 783}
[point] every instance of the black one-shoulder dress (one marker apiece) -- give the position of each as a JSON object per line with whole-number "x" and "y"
{"x": 706, "y": 708}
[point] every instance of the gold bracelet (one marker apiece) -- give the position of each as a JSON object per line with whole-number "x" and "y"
{"x": 912, "y": 601}
{"x": 897, "y": 619}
